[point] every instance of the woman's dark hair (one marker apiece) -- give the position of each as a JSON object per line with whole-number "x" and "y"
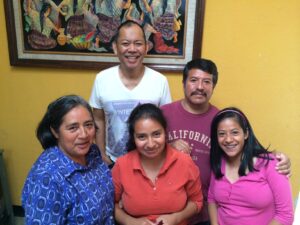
{"x": 143, "y": 111}
{"x": 54, "y": 116}
{"x": 252, "y": 148}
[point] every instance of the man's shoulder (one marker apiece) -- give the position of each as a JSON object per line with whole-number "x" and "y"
{"x": 154, "y": 74}
{"x": 170, "y": 106}
{"x": 110, "y": 72}
{"x": 213, "y": 109}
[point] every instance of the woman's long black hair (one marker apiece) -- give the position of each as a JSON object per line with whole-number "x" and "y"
{"x": 252, "y": 147}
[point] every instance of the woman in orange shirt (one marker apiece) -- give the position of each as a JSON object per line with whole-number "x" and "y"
{"x": 154, "y": 183}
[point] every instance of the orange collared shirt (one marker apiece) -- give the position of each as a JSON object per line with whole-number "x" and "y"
{"x": 177, "y": 183}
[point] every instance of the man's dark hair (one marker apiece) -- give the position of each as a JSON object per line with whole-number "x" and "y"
{"x": 205, "y": 65}
{"x": 128, "y": 23}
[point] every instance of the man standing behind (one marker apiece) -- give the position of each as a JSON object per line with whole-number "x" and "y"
{"x": 189, "y": 120}
{"x": 119, "y": 89}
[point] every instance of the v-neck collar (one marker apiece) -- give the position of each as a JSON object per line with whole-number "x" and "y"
{"x": 137, "y": 85}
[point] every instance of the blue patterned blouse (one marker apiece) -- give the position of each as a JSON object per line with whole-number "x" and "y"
{"x": 60, "y": 191}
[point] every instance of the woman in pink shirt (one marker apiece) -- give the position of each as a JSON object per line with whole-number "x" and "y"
{"x": 154, "y": 183}
{"x": 245, "y": 187}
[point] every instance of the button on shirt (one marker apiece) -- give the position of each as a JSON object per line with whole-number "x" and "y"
{"x": 177, "y": 183}
{"x": 257, "y": 198}
{"x": 60, "y": 191}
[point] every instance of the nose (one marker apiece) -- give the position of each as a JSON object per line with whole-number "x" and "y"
{"x": 150, "y": 143}
{"x": 82, "y": 132}
{"x": 228, "y": 138}
{"x": 132, "y": 47}
{"x": 200, "y": 85}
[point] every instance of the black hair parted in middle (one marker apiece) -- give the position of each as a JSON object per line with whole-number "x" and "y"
{"x": 252, "y": 147}
{"x": 143, "y": 111}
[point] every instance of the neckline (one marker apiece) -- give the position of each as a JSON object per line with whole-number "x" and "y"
{"x": 183, "y": 110}
{"x": 124, "y": 84}
{"x": 223, "y": 170}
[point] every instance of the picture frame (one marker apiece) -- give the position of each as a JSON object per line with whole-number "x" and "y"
{"x": 166, "y": 54}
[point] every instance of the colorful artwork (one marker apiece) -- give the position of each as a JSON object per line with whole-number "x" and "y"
{"x": 79, "y": 33}
{"x": 89, "y": 25}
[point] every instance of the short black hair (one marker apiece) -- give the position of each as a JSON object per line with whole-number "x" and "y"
{"x": 128, "y": 23}
{"x": 205, "y": 65}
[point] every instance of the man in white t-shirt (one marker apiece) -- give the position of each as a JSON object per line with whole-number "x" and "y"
{"x": 119, "y": 89}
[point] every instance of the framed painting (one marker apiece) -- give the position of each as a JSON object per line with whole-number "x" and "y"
{"x": 79, "y": 33}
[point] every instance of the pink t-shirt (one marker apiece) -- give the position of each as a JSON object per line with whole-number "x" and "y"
{"x": 177, "y": 183}
{"x": 256, "y": 198}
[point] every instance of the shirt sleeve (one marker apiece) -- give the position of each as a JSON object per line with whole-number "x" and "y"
{"x": 166, "y": 96}
{"x": 43, "y": 201}
{"x": 281, "y": 189}
{"x": 95, "y": 98}
{"x": 117, "y": 181}
{"x": 211, "y": 197}
{"x": 193, "y": 187}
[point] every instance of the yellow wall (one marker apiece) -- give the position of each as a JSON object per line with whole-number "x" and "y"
{"x": 256, "y": 45}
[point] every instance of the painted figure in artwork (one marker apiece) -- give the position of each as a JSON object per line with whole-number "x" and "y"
{"x": 109, "y": 15}
{"x": 167, "y": 24}
{"x": 41, "y": 26}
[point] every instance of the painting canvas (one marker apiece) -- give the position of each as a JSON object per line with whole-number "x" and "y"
{"x": 79, "y": 33}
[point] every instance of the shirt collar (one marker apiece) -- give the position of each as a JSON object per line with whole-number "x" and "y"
{"x": 67, "y": 166}
{"x": 171, "y": 157}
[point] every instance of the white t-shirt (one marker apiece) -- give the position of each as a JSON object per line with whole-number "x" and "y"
{"x": 117, "y": 101}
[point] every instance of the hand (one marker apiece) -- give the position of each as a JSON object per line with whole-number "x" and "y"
{"x": 140, "y": 221}
{"x": 169, "y": 219}
{"x": 284, "y": 164}
{"x": 181, "y": 146}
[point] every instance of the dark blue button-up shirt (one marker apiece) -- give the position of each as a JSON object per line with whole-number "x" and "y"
{"x": 61, "y": 191}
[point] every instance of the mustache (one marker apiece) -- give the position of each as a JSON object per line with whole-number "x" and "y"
{"x": 198, "y": 92}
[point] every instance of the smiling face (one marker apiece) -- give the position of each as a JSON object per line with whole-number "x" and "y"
{"x": 76, "y": 134}
{"x": 198, "y": 88}
{"x": 130, "y": 47}
{"x": 149, "y": 138}
{"x": 231, "y": 138}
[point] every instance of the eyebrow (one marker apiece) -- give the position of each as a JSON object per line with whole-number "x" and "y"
{"x": 76, "y": 123}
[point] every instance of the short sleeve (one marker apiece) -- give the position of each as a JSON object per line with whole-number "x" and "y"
{"x": 210, "y": 197}
{"x": 281, "y": 189}
{"x": 117, "y": 181}
{"x": 95, "y": 100}
{"x": 166, "y": 96}
{"x": 193, "y": 187}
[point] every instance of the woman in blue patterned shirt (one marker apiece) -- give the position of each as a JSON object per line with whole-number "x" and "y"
{"x": 69, "y": 183}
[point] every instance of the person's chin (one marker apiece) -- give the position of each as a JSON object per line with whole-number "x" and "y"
{"x": 133, "y": 64}
{"x": 83, "y": 150}
{"x": 151, "y": 155}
